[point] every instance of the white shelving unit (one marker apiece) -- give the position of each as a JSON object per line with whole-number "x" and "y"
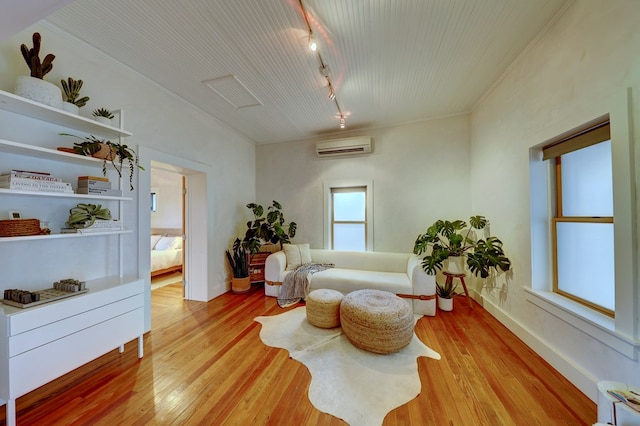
{"x": 41, "y": 343}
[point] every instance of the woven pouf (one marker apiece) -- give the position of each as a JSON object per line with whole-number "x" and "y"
{"x": 323, "y": 308}
{"x": 376, "y": 321}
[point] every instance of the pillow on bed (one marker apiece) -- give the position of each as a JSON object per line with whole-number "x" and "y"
{"x": 297, "y": 255}
{"x": 168, "y": 243}
{"x": 154, "y": 240}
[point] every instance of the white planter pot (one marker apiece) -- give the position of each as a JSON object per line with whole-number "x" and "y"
{"x": 38, "y": 90}
{"x": 103, "y": 120}
{"x": 445, "y": 304}
{"x": 72, "y": 108}
{"x": 454, "y": 265}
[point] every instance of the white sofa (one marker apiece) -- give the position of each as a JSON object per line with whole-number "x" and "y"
{"x": 399, "y": 273}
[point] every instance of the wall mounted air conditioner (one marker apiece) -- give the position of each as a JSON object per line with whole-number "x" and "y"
{"x": 348, "y": 146}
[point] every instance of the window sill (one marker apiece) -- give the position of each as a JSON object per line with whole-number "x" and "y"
{"x": 595, "y": 324}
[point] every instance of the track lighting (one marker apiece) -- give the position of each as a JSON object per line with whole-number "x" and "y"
{"x": 324, "y": 68}
{"x": 313, "y": 46}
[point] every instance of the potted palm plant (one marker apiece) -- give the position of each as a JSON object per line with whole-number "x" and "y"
{"x": 239, "y": 262}
{"x": 445, "y": 294}
{"x": 445, "y": 240}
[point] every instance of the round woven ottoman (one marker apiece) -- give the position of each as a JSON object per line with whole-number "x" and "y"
{"x": 376, "y": 321}
{"x": 323, "y": 308}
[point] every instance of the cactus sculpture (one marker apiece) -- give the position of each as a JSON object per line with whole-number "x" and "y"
{"x": 31, "y": 56}
{"x": 71, "y": 90}
{"x": 85, "y": 215}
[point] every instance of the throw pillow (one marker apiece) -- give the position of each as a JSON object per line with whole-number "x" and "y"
{"x": 168, "y": 243}
{"x": 297, "y": 255}
{"x": 154, "y": 240}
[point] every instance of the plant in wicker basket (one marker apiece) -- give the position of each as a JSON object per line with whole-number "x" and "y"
{"x": 85, "y": 215}
{"x": 71, "y": 89}
{"x": 113, "y": 152}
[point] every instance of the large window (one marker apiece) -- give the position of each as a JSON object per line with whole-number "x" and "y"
{"x": 349, "y": 218}
{"x": 582, "y": 226}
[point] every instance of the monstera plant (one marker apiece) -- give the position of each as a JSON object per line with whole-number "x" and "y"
{"x": 450, "y": 239}
{"x": 267, "y": 229}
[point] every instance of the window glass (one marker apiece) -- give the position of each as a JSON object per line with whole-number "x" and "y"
{"x": 349, "y": 237}
{"x": 349, "y": 206}
{"x": 587, "y": 181}
{"x": 586, "y": 263}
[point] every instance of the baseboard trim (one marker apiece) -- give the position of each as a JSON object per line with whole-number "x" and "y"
{"x": 580, "y": 378}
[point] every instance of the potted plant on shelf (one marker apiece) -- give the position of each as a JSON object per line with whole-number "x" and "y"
{"x": 102, "y": 115}
{"x": 453, "y": 240}
{"x": 71, "y": 90}
{"x": 445, "y": 294}
{"x": 239, "y": 262}
{"x": 85, "y": 215}
{"x": 34, "y": 86}
{"x": 113, "y": 152}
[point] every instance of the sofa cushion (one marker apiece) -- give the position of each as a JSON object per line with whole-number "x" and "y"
{"x": 348, "y": 280}
{"x": 297, "y": 255}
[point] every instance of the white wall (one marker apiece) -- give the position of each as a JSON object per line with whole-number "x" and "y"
{"x": 578, "y": 71}
{"x": 420, "y": 173}
{"x": 168, "y": 188}
{"x": 159, "y": 120}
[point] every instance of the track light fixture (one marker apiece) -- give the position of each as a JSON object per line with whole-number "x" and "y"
{"x": 313, "y": 46}
{"x": 324, "y": 68}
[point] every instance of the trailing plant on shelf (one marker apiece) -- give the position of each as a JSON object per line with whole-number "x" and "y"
{"x": 115, "y": 153}
{"x": 71, "y": 89}
{"x": 85, "y": 215}
{"x": 448, "y": 239}
{"x": 102, "y": 112}
{"x": 32, "y": 58}
{"x": 267, "y": 229}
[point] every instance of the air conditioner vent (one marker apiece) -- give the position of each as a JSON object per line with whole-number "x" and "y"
{"x": 348, "y": 146}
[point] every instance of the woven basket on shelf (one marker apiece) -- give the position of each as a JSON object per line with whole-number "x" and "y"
{"x": 105, "y": 152}
{"x": 19, "y": 227}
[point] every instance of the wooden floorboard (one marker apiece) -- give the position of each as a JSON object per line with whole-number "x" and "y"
{"x": 204, "y": 364}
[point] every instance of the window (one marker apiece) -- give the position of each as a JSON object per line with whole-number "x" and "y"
{"x": 349, "y": 218}
{"x": 582, "y": 224}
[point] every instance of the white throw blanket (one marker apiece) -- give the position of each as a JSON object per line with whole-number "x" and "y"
{"x": 295, "y": 285}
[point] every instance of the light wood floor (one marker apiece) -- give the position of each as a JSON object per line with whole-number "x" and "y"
{"x": 204, "y": 364}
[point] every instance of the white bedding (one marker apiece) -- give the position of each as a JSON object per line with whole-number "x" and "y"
{"x": 166, "y": 252}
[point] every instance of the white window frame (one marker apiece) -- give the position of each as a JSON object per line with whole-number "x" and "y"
{"x": 328, "y": 208}
{"x": 621, "y": 332}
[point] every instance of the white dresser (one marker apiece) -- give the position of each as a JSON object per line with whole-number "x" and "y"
{"x": 44, "y": 342}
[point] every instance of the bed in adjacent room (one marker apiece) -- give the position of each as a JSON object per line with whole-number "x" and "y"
{"x": 166, "y": 254}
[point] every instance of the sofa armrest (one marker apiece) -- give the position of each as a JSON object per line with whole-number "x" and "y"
{"x": 423, "y": 285}
{"x": 274, "y": 266}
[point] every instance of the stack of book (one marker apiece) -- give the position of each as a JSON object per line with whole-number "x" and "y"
{"x": 23, "y": 180}
{"x": 96, "y": 185}
{"x": 99, "y": 225}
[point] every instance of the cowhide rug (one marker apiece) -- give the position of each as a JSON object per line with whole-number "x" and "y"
{"x": 357, "y": 386}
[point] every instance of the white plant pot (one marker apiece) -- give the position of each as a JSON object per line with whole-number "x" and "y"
{"x": 445, "y": 304}
{"x": 454, "y": 265}
{"x": 72, "y": 108}
{"x": 103, "y": 120}
{"x": 38, "y": 90}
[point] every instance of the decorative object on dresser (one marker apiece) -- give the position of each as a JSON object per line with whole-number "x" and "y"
{"x": 71, "y": 91}
{"x": 452, "y": 239}
{"x": 102, "y": 115}
{"x": 114, "y": 152}
{"x": 34, "y": 87}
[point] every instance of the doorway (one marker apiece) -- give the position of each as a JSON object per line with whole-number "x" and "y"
{"x": 195, "y": 212}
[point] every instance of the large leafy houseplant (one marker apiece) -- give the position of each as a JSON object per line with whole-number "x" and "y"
{"x": 238, "y": 260}
{"x": 453, "y": 238}
{"x": 267, "y": 229}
